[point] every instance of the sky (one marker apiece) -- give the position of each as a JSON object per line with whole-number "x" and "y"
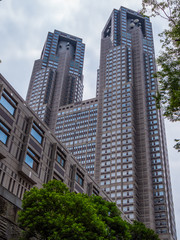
{"x": 23, "y": 30}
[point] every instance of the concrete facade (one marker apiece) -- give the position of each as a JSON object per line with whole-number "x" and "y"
{"x": 125, "y": 139}
{"x": 76, "y": 128}
{"x": 31, "y": 155}
{"x": 131, "y": 154}
{"x": 57, "y": 77}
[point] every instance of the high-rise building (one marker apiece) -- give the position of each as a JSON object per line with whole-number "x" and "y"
{"x": 131, "y": 155}
{"x": 57, "y": 77}
{"x": 31, "y": 155}
{"x": 76, "y": 128}
{"x": 119, "y": 135}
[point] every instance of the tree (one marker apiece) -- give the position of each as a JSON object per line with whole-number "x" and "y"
{"x": 53, "y": 213}
{"x": 168, "y": 95}
{"x": 111, "y": 215}
{"x": 139, "y": 232}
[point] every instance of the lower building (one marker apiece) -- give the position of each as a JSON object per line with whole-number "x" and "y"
{"x": 31, "y": 155}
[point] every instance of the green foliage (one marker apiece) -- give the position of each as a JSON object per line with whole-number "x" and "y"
{"x": 168, "y": 95}
{"x": 177, "y": 145}
{"x": 53, "y": 213}
{"x": 110, "y": 214}
{"x": 169, "y": 59}
{"x": 140, "y": 232}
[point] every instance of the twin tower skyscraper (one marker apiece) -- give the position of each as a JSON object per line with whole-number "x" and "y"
{"x": 118, "y": 136}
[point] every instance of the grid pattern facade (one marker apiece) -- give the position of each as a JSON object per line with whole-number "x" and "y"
{"x": 117, "y": 149}
{"x": 57, "y": 77}
{"x": 42, "y": 93}
{"x": 76, "y": 128}
{"x": 119, "y": 136}
{"x": 31, "y": 155}
{"x": 131, "y": 156}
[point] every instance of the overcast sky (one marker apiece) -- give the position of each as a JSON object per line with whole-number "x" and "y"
{"x": 24, "y": 25}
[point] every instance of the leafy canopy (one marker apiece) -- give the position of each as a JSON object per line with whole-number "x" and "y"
{"x": 53, "y": 213}
{"x": 139, "y": 232}
{"x": 168, "y": 95}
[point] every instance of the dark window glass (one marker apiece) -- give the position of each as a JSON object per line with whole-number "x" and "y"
{"x": 9, "y": 97}
{"x": 60, "y": 160}
{"x": 95, "y": 191}
{"x": 4, "y": 133}
{"x": 36, "y": 132}
{"x": 79, "y": 179}
{"x": 32, "y": 160}
{"x": 8, "y": 103}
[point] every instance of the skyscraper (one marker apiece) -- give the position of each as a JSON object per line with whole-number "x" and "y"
{"x": 31, "y": 155}
{"x": 57, "y": 76}
{"x": 131, "y": 155}
{"x": 119, "y": 135}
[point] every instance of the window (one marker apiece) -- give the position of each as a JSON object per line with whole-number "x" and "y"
{"x": 37, "y": 133}
{"x": 8, "y": 103}
{"x": 95, "y": 191}
{"x": 4, "y": 133}
{"x": 79, "y": 178}
{"x": 61, "y": 158}
{"x": 32, "y": 160}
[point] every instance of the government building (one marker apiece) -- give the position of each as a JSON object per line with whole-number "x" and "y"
{"x": 115, "y": 142}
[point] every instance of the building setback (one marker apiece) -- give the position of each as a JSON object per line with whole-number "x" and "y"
{"x": 120, "y": 137}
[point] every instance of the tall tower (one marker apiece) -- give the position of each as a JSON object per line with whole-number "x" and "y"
{"x": 131, "y": 156}
{"x": 119, "y": 135}
{"x": 57, "y": 78}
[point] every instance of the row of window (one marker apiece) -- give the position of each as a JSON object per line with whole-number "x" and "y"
{"x": 31, "y": 158}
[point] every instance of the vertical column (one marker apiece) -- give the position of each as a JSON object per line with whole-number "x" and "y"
{"x": 143, "y": 160}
